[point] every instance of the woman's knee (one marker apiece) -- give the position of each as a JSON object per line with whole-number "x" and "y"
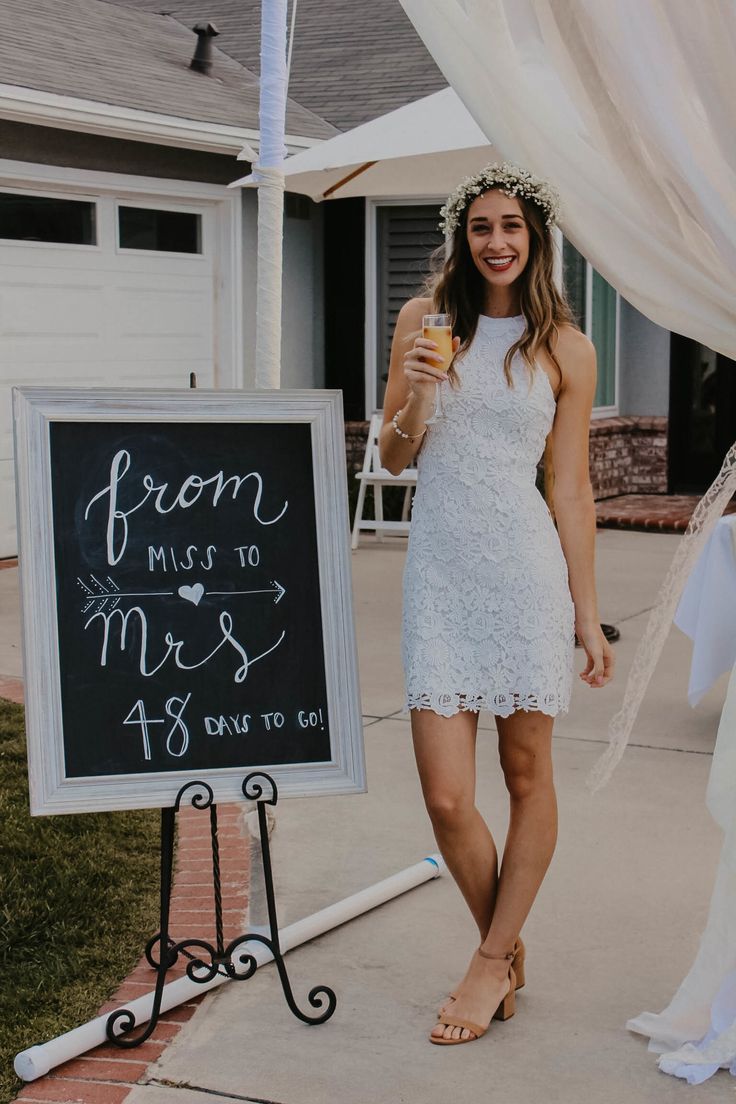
{"x": 448, "y": 808}
{"x": 527, "y": 771}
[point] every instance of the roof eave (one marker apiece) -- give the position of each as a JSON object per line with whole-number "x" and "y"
{"x": 41, "y": 108}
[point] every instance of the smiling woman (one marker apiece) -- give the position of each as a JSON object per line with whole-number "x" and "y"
{"x": 493, "y": 594}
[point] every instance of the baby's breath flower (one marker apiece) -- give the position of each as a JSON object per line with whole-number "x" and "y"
{"x": 511, "y": 180}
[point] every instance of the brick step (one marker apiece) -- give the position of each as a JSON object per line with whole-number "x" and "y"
{"x": 652, "y": 513}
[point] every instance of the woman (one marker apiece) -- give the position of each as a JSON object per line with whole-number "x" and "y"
{"x": 494, "y": 593}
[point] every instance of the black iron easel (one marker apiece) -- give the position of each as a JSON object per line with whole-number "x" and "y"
{"x": 206, "y": 960}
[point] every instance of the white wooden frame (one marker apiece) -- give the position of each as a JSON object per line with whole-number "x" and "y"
{"x": 35, "y": 408}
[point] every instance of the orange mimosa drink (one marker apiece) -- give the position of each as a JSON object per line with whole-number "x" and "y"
{"x": 442, "y": 336}
{"x": 437, "y": 328}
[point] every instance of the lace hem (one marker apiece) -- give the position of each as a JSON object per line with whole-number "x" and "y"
{"x": 501, "y": 704}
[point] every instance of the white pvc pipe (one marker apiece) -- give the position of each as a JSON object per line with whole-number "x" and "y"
{"x": 38, "y": 1060}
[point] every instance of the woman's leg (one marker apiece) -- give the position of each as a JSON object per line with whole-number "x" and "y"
{"x": 525, "y": 749}
{"x": 525, "y": 746}
{"x": 445, "y": 753}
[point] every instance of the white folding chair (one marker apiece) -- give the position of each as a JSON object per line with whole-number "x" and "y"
{"x": 372, "y": 474}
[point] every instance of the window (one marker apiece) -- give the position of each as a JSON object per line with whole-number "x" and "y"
{"x": 594, "y": 305}
{"x": 159, "y": 230}
{"x": 46, "y": 219}
{"x": 574, "y": 266}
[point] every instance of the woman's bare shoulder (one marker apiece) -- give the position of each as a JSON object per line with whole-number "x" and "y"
{"x": 572, "y": 343}
{"x": 414, "y": 309}
{"x": 575, "y": 355}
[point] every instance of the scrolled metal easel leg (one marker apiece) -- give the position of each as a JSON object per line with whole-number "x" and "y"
{"x": 317, "y": 995}
{"x": 233, "y": 960}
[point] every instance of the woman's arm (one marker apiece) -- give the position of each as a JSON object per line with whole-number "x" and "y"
{"x": 573, "y": 497}
{"x": 410, "y": 389}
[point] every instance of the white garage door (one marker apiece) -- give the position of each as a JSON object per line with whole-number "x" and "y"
{"x": 101, "y": 290}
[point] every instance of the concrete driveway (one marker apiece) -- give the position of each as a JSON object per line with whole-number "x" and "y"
{"x": 614, "y": 929}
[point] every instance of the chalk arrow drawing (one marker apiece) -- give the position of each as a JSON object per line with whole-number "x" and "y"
{"x": 107, "y": 595}
{"x": 275, "y": 588}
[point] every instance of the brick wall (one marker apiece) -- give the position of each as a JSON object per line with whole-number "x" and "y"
{"x": 627, "y": 455}
{"x": 356, "y": 435}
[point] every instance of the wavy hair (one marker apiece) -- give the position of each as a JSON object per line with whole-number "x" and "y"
{"x": 457, "y": 288}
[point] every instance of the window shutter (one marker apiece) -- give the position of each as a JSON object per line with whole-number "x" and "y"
{"x": 407, "y": 236}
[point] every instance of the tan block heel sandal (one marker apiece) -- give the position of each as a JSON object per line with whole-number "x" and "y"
{"x": 505, "y": 1010}
{"x": 518, "y": 965}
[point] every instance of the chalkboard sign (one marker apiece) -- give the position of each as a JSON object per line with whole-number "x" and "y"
{"x": 186, "y": 594}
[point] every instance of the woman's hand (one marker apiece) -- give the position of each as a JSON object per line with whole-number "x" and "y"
{"x": 423, "y": 367}
{"x": 601, "y": 660}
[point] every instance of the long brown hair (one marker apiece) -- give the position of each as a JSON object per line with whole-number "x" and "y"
{"x": 457, "y": 288}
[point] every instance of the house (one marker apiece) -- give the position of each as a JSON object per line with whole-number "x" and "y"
{"x": 125, "y": 260}
{"x": 666, "y": 405}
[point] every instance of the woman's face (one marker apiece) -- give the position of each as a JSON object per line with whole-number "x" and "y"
{"x": 497, "y": 231}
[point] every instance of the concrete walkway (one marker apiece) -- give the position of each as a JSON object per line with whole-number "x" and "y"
{"x": 612, "y": 933}
{"x": 614, "y": 929}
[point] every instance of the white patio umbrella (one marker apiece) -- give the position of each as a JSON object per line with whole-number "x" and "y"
{"x": 419, "y": 151}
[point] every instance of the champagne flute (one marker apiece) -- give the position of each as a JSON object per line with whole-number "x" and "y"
{"x": 438, "y": 328}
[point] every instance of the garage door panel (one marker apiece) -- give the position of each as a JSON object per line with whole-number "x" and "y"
{"x": 165, "y": 314}
{"x": 46, "y": 310}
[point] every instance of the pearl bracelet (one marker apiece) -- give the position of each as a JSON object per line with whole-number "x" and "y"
{"x": 399, "y": 430}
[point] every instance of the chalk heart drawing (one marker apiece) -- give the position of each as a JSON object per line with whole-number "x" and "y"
{"x": 192, "y": 593}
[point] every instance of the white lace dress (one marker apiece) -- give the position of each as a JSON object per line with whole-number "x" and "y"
{"x": 488, "y": 621}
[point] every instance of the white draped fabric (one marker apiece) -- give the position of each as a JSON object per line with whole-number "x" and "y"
{"x": 628, "y": 108}
{"x": 698, "y": 1028}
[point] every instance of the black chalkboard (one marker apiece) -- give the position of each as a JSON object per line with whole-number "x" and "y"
{"x": 188, "y": 596}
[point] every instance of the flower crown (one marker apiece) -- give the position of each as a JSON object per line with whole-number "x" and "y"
{"x": 511, "y": 180}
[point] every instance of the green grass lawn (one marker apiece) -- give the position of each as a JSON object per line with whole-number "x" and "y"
{"x": 78, "y": 900}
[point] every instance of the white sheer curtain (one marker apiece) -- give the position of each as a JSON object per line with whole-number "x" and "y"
{"x": 629, "y": 108}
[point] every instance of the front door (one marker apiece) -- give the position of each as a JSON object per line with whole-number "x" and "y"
{"x": 702, "y": 422}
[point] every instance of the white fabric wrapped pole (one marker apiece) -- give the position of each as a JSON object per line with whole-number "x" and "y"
{"x": 269, "y": 176}
{"x": 38, "y": 1060}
